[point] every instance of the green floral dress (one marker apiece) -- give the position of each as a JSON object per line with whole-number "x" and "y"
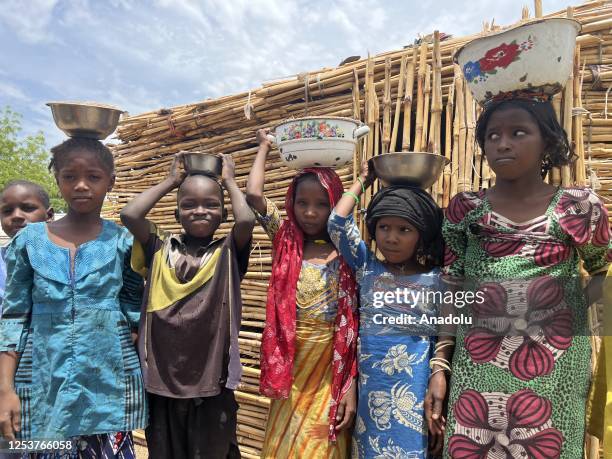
{"x": 521, "y": 371}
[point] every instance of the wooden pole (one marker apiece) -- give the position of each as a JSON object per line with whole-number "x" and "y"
{"x": 537, "y": 8}
{"x": 398, "y": 103}
{"x": 408, "y": 100}
{"x": 386, "y": 140}
{"x": 554, "y": 177}
{"x": 426, "y": 111}
{"x": 418, "y": 134}
{"x": 448, "y": 145}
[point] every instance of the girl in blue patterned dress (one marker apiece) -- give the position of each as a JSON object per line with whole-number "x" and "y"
{"x": 395, "y": 341}
{"x": 68, "y": 367}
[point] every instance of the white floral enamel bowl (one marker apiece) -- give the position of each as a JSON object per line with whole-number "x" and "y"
{"x": 318, "y": 141}
{"x": 537, "y": 56}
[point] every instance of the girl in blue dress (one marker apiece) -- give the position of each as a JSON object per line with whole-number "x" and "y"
{"x": 68, "y": 367}
{"x": 395, "y": 341}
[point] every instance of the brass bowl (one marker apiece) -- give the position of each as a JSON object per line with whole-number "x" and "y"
{"x": 85, "y": 119}
{"x": 197, "y": 162}
{"x": 409, "y": 168}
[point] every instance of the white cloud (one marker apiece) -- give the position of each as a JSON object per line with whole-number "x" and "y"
{"x": 28, "y": 19}
{"x": 10, "y": 91}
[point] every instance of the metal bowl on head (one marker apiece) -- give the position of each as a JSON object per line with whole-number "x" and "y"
{"x": 198, "y": 162}
{"x": 85, "y": 119}
{"x": 409, "y": 168}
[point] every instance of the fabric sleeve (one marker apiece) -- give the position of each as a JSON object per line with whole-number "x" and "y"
{"x": 455, "y": 239}
{"x": 346, "y": 237}
{"x": 17, "y": 303}
{"x": 130, "y": 295}
{"x": 271, "y": 221}
{"x": 142, "y": 255}
{"x": 596, "y": 253}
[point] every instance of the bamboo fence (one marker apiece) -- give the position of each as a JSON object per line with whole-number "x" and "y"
{"x": 413, "y": 99}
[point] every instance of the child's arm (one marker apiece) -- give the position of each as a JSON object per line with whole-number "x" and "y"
{"x": 133, "y": 215}
{"x": 344, "y": 208}
{"x": 10, "y": 406}
{"x": 255, "y": 183}
{"x": 342, "y": 229}
{"x": 244, "y": 220}
{"x": 437, "y": 396}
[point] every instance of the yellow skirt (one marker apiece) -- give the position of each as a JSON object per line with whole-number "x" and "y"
{"x": 298, "y": 426}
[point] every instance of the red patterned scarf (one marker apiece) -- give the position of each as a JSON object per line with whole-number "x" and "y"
{"x": 278, "y": 341}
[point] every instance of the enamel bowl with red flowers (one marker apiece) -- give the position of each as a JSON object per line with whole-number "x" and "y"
{"x": 536, "y": 57}
{"x": 317, "y": 141}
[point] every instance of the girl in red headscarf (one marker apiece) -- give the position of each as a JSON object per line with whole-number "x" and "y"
{"x": 308, "y": 351}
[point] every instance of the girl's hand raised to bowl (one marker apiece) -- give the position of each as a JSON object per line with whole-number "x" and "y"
{"x": 366, "y": 173}
{"x": 177, "y": 169}
{"x": 262, "y": 137}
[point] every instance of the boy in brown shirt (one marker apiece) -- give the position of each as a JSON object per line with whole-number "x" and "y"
{"x": 188, "y": 340}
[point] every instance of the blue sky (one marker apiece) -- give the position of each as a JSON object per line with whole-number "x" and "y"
{"x": 144, "y": 55}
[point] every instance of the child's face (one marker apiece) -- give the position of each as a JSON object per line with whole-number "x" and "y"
{"x": 19, "y": 205}
{"x": 311, "y": 207}
{"x": 200, "y": 206}
{"x": 514, "y": 146}
{"x": 396, "y": 239}
{"x": 83, "y": 181}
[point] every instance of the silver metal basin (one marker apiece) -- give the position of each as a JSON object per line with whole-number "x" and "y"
{"x": 84, "y": 119}
{"x": 202, "y": 163}
{"x": 409, "y": 168}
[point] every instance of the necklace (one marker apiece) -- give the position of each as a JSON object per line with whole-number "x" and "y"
{"x": 403, "y": 268}
{"x": 318, "y": 241}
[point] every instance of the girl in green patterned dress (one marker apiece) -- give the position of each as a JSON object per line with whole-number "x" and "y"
{"x": 520, "y": 373}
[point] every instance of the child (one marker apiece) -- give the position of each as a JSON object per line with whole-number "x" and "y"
{"x": 21, "y": 202}
{"x": 521, "y": 374}
{"x": 191, "y": 313}
{"x": 69, "y": 370}
{"x": 308, "y": 349}
{"x": 393, "y": 356}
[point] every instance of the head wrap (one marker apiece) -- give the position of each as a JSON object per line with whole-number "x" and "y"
{"x": 278, "y": 341}
{"x": 416, "y": 206}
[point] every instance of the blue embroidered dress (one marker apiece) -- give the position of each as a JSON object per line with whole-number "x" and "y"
{"x": 393, "y": 357}
{"x": 79, "y": 373}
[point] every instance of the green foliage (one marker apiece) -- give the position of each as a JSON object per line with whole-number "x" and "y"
{"x": 25, "y": 158}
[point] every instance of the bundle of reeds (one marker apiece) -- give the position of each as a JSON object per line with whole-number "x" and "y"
{"x": 414, "y": 99}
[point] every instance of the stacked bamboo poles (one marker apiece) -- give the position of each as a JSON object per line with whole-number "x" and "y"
{"x": 414, "y": 99}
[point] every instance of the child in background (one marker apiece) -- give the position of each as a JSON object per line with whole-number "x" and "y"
{"x": 521, "y": 373}
{"x": 191, "y": 313}
{"x": 21, "y": 202}
{"x": 394, "y": 358}
{"x": 308, "y": 352}
{"x": 68, "y": 366}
